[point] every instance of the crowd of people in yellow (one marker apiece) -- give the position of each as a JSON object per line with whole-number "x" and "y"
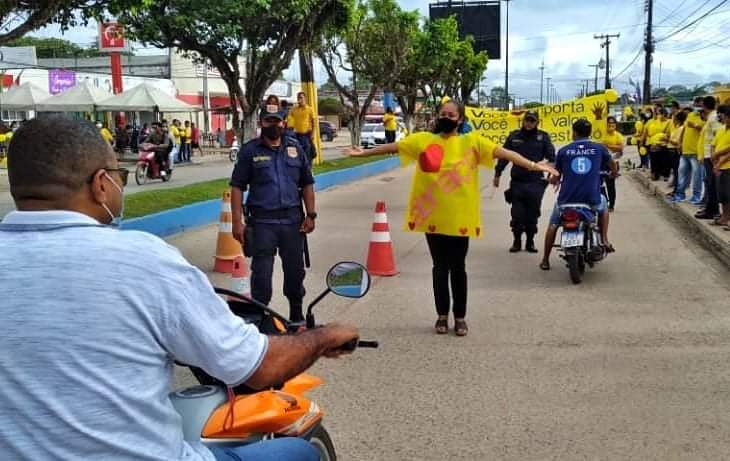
{"x": 692, "y": 146}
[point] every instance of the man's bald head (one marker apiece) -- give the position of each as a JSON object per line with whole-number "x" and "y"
{"x": 51, "y": 159}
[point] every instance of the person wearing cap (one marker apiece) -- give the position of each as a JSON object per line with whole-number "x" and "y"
{"x": 526, "y": 187}
{"x": 276, "y": 172}
{"x": 580, "y": 164}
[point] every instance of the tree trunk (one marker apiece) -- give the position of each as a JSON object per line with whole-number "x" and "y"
{"x": 248, "y": 130}
{"x": 355, "y": 128}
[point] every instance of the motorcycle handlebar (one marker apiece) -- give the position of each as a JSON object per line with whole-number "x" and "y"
{"x": 354, "y": 344}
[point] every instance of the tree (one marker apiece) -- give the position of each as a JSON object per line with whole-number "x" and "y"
{"x": 265, "y": 33}
{"x": 17, "y": 18}
{"x": 371, "y": 50}
{"x": 533, "y": 105}
{"x": 496, "y": 96}
{"x": 330, "y": 106}
{"x": 56, "y": 48}
{"x": 440, "y": 65}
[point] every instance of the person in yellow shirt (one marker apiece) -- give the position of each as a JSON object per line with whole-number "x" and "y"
{"x": 186, "y": 137}
{"x": 303, "y": 118}
{"x": 674, "y": 146}
{"x": 105, "y": 133}
{"x": 175, "y": 133}
{"x": 721, "y": 162}
{"x": 445, "y": 200}
{"x": 705, "y": 145}
{"x": 614, "y": 142}
{"x": 689, "y": 166}
{"x": 640, "y": 127}
{"x": 628, "y": 113}
{"x": 656, "y": 137}
{"x": 390, "y": 124}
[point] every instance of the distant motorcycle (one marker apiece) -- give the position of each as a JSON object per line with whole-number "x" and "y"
{"x": 580, "y": 239}
{"x": 147, "y": 167}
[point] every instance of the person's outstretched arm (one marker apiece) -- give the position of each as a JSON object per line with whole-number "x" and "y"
{"x": 353, "y": 151}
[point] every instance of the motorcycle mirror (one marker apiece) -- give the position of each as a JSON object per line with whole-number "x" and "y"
{"x": 348, "y": 279}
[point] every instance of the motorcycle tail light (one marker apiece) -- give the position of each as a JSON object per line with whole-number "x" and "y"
{"x": 570, "y": 219}
{"x": 313, "y": 415}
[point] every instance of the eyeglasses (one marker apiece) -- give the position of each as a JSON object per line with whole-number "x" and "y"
{"x": 123, "y": 174}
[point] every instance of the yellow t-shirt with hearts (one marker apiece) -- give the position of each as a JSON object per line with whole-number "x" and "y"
{"x": 445, "y": 196}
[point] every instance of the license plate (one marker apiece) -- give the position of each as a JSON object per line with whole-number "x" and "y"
{"x": 570, "y": 239}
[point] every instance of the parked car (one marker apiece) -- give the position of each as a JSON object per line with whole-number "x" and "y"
{"x": 374, "y": 133}
{"x": 327, "y": 130}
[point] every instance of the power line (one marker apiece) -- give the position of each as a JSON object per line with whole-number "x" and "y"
{"x": 700, "y": 18}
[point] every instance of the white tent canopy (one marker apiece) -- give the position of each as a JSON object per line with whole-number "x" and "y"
{"x": 83, "y": 97}
{"x": 145, "y": 98}
{"x": 25, "y": 97}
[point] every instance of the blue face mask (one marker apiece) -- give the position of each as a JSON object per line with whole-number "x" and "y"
{"x": 116, "y": 221}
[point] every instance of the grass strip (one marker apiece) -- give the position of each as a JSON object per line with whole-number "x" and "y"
{"x": 154, "y": 201}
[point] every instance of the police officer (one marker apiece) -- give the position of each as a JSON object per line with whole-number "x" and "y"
{"x": 526, "y": 187}
{"x": 276, "y": 172}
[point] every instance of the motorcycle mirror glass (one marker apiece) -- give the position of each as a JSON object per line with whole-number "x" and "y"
{"x": 348, "y": 279}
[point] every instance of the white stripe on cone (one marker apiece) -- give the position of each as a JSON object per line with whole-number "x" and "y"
{"x": 225, "y": 227}
{"x": 380, "y": 237}
{"x": 226, "y": 207}
{"x": 381, "y": 218}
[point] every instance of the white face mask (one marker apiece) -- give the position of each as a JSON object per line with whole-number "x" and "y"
{"x": 116, "y": 221}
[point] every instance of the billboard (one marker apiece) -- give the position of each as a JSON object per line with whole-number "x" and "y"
{"x": 60, "y": 80}
{"x": 480, "y": 19}
{"x": 17, "y": 57}
{"x": 111, "y": 37}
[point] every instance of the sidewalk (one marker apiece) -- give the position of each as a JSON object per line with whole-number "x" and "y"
{"x": 714, "y": 238}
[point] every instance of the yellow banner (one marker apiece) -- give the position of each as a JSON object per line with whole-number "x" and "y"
{"x": 556, "y": 119}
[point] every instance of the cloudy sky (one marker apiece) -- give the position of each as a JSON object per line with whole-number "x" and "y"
{"x": 560, "y": 32}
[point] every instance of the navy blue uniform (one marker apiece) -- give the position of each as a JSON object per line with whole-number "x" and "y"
{"x": 527, "y": 187}
{"x": 274, "y": 178}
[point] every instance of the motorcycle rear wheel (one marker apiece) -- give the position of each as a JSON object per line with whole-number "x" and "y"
{"x": 140, "y": 174}
{"x": 576, "y": 266}
{"x": 322, "y": 441}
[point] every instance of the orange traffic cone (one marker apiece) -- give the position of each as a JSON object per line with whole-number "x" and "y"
{"x": 380, "y": 254}
{"x": 240, "y": 280}
{"x": 227, "y": 247}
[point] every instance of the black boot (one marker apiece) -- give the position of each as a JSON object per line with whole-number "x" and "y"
{"x": 530, "y": 243}
{"x": 517, "y": 244}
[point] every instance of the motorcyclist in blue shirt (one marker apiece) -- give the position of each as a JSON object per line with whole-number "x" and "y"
{"x": 580, "y": 164}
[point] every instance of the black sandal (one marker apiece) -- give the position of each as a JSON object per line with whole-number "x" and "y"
{"x": 442, "y": 326}
{"x": 460, "y": 327}
{"x": 544, "y": 265}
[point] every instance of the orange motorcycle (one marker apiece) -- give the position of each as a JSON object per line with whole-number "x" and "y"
{"x": 217, "y": 415}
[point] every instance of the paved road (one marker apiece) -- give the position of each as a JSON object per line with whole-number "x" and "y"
{"x": 632, "y": 364}
{"x": 183, "y": 175}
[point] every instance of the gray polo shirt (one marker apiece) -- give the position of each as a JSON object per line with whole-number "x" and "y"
{"x": 92, "y": 319}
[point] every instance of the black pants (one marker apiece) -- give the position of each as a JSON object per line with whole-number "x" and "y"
{"x": 611, "y": 192}
{"x": 389, "y": 136}
{"x": 660, "y": 162}
{"x": 449, "y": 263}
{"x": 526, "y": 203}
{"x": 305, "y": 139}
{"x": 674, "y": 164}
{"x": 712, "y": 206}
{"x": 286, "y": 238}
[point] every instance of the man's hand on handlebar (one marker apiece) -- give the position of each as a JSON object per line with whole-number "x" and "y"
{"x": 340, "y": 336}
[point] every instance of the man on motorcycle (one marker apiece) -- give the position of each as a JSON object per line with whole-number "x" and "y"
{"x": 93, "y": 318}
{"x": 580, "y": 164}
{"x": 161, "y": 147}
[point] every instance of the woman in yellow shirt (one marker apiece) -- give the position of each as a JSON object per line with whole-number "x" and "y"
{"x": 614, "y": 142}
{"x": 656, "y": 136}
{"x": 445, "y": 200}
{"x": 640, "y": 127}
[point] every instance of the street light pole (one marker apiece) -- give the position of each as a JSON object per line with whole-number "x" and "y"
{"x": 506, "y": 60}
{"x": 542, "y": 72}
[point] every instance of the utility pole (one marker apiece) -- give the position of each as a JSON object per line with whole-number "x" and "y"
{"x": 206, "y": 99}
{"x": 606, "y": 44}
{"x": 648, "y": 49}
{"x": 506, "y": 61}
{"x": 542, "y": 73}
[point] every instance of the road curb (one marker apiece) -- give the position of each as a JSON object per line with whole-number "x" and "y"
{"x": 177, "y": 220}
{"x": 716, "y": 244}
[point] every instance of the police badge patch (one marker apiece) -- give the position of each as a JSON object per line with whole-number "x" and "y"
{"x": 292, "y": 151}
